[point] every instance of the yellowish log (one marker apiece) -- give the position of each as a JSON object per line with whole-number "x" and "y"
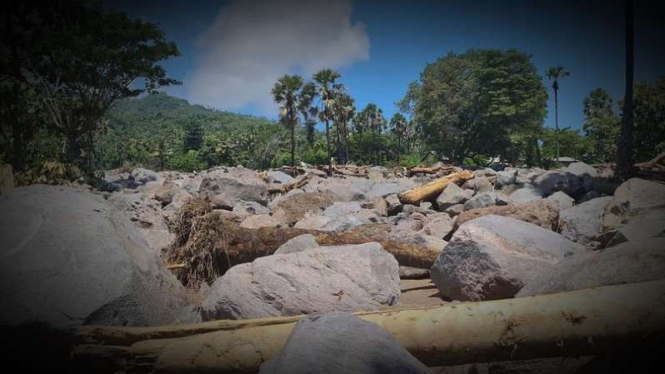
{"x": 432, "y": 189}
{"x": 585, "y": 322}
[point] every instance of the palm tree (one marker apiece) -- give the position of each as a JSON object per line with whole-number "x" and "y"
{"x": 327, "y": 89}
{"x": 625, "y": 155}
{"x": 307, "y": 110}
{"x": 555, "y": 74}
{"x": 344, "y": 111}
{"x": 285, "y": 93}
{"x": 398, "y": 126}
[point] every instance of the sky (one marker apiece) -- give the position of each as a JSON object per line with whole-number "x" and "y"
{"x": 233, "y": 51}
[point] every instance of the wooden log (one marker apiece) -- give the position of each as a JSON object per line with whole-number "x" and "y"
{"x": 227, "y": 244}
{"x": 6, "y": 179}
{"x": 432, "y": 189}
{"x": 284, "y": 188}
{"x": 430, "y": 170}
{"x": 586, "y": 322}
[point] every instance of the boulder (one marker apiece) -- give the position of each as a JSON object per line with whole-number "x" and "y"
{"x": 452, "y": 195}
{"x": 439, "y": 225}
{"x": 493, "y": 257}
{"x": 338, "y": 342}
{"x": 394, "y": 205}
{"x": 561, "y": 200}
{"x": 312, "y": 222}
{"x": 478, "y": 184}
{"x": 144, "y": 176}
{"x": 455, "y": 210}
{"x": 226, "y": 189}
{"x": 294, "y": 208}
{"x": 246, "y": 208}
{"x": 339, "y": 209}
{"x": 632, "y": 198}
{"x": 581, "y": 223}
{"x": 543, "y": 213}
{"x": 166, "y": 192}
{"x": 553, "y": 181}
{"x": 260, "y": 220}
{"x": 630, "y": 262}
{"x": 340, "y": 278}
{"x": 649, "y": 224}
{"x": 297, "y": 244}
{"x": 485, "y": 199}
{"x": 276, "y": 176}
{"x": 70, "y": 259}
{"x": 527, "y": 194}
{"x": 505, "y": 178}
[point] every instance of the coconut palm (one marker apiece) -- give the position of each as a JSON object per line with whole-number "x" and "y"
{"x": 286, "y": 93}
{"x": 307, "y": 110}
{"x": 327, "y": 88}
{"x": 343, "y": 112}
{"x": 555, "y": 74}
{"x": 398, "y": 126}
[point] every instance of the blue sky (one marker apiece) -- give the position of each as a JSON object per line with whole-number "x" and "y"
{"x": 381, "y": 46}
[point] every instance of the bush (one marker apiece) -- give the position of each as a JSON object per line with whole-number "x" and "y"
{"x": 189, "y": 161}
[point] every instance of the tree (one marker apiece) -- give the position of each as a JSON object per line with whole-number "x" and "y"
{"x": 470, "y": 104}
{"x": 601, "y": 126}
{"x": 286, "y": 93}
{"x": 307, "y": 110}
{"x": 554, "y": 74}
{"x": 398, "y": 127}
{"x": 327, "y": 89}
{"x": 625, "y": 155}
{"x": 344, "y": 111}
{"x": 193, "y": 137}
{"x": 81, "y": 59}
{"x": 649, "y": 109}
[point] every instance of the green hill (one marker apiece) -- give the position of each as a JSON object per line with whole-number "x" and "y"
{"x": 161, "y": 131}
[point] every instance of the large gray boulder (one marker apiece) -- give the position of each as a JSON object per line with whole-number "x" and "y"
{"x": 452, "y": 195}
{"x": 339, "y": 342}
{"x": 632, "y": 198}
{"x": 493, "y": 257}
{"x": 649, "y": 224}
{"x": 340, "y": 278}
{"x": 553, "y": 181}
{"x": 505, "y": 178}
{"x": 581, "y": 223}
{"x": 478, "y": 184}
{"x": 630, "y": 262}
{"x": 69, "y": 258}
{"x": 226, "y": 189}
{"x": 561, "y": 200}
{"x": 485, "y": 199}
{"x": 144, "y": 176}
{"x": 527, "y": 194}
{"x": 276, "y": 176}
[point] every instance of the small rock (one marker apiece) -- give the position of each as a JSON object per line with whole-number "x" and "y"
{"x": 339, "y": 342}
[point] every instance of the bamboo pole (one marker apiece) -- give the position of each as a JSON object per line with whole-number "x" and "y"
{"x": 585, "y": 322}
{"x": 433, "y": 189}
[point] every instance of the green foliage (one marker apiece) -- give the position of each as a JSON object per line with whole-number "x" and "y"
{"x": 601, "y": 126}
{"x": 188, "y": 161}
{"x": 193, "y": 137}
{"x": 471, "y": 103}
{"x": 649, "y": 119}
{"x": 571, "y": 144}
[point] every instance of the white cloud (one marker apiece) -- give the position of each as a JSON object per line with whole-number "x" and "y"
{"x": 254, "y": 42}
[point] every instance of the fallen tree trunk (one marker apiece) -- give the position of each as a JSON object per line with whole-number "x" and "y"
{"x": 217, "y": 244}
{"x": 586, "y": 322}
{"x": 284, "y": 188}
{"x": 430, "y": 170}
{"x": 432, "y": 189}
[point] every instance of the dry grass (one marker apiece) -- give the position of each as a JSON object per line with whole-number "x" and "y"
{"x": 199, "y": 240}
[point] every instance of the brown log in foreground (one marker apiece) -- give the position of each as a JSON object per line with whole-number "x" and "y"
{"x": 432, "y": 189}
{"x": 579, "y": 323}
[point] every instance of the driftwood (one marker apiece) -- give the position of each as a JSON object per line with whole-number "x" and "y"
{"x": 283, "y": 188}
{"x": 220, "y": 244}
{"x": 433, "y": 189}
{"x": 594, "y": 321}
{"x": 431, "y": 169}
